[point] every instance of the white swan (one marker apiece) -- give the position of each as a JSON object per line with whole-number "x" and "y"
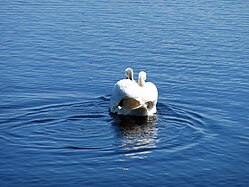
{"x": 149, "y": 93}
{"x": 131, "y": 98}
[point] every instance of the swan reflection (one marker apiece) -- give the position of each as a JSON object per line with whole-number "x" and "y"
{"x": 137, "y": 135}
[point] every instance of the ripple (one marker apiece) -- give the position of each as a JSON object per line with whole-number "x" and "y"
{"x": 80, "y": 117}
{"x": 173, "y": 129}
{"x": 80, "y": 148}
{"x": 135, "y": 136}
{"x": 86, "y": 126}
{"x": 182, "y": 128}
{"x": 56, "y": 125}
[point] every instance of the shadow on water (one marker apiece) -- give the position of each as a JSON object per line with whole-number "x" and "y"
{"x": 136, "y": 135}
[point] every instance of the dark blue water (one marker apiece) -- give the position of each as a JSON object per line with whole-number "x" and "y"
{"x": 59, "y": 61}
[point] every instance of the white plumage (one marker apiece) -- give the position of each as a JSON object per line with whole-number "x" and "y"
{"x": 132, "y": 98}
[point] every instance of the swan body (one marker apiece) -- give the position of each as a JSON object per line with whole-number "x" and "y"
{"x": 132, "y": 98}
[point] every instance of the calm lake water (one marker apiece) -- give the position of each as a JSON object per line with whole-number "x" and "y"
{"x": 59, "y": 61}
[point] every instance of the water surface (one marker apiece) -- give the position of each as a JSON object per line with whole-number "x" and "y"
{"x": 59, "y": 61}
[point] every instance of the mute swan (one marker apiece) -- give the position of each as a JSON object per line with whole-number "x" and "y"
{"x": 132, "y": 98}
{"x": 149, "y": 93}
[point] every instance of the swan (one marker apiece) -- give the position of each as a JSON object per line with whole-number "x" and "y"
{"x": 149, "y": 93}
{"x": 132, "y": 98}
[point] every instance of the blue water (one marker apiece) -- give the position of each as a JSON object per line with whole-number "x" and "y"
{"x": 59, "y": 61}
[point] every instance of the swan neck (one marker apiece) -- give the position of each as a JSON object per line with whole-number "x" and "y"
{"x": 131, "y": 76}
{"x": 141, "y": 82}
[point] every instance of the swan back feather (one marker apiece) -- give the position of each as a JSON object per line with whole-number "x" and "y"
{"x": 132, "y": 98}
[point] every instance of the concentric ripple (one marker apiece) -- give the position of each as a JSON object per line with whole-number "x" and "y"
{"x": 181, "y": 128}
{"x": 64, "y": 126}
{"x": 172, "y": 129}
{"x": 87, "y": 126}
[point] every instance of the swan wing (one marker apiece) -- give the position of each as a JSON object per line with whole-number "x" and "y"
{"x": 150, "y": 92}
{"x": 125, "y": 90}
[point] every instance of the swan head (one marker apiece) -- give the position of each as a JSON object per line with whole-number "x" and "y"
{"x": 141, "y": 78}
{"x": 129, "y": 74}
